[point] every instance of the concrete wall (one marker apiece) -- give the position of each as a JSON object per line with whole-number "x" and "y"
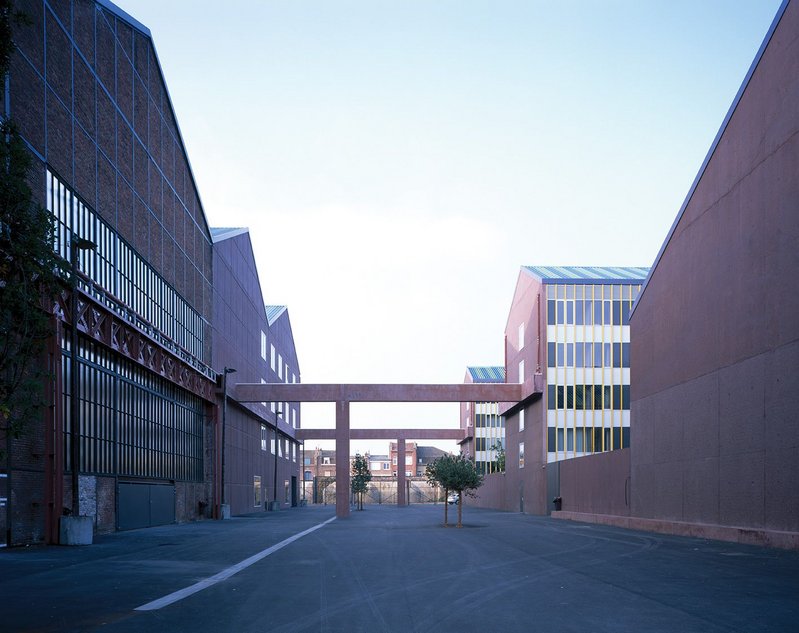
{"x": 715, "y": 349}
{"x": 493, "y": 494}
{"x": 245, "y": 459}
{"x": 239, "y": 319}
{"x": 525, "y": 486}
{"x": 597, "y": 484}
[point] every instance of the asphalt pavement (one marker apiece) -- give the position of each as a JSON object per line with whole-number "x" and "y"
{"x": 398, "y": 569}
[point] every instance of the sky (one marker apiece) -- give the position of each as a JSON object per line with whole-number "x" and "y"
{"x": 398, "y": 161}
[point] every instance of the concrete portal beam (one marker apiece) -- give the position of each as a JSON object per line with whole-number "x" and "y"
{"x": 343, "y": 394}
{"x": 383, "y": 434}
{"x": 401, "y": 465}
{"x": 342, "y": 459}
{"x": 308, "y": 392}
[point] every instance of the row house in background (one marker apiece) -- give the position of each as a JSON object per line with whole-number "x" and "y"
{"x": 427, "y": 455}
{"x": 319, "y": 462}
{"x": 380, "y": 465}
{"x": 253, "y": 343}
{"x": 409, "y": 458}
{"x": 482, "y": 423}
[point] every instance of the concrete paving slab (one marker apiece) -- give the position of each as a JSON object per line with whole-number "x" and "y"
{"x": 398, "y": 569}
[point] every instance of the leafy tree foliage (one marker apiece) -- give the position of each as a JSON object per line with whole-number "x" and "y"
{"x": 432, "y": 476}
{"x": 8, "y": 17}
{"x": 499, "y": 463}
{"x": 361, "y": 476}
{"x": 454, "y": 473}
{"x": 31, "y": 274}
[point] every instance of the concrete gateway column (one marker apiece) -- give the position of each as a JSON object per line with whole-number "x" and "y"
{"x": 401, "y": 473}
{"x": 342, "y": 459}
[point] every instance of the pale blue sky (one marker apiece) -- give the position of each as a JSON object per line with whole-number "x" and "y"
{"x": 398, "y": 161}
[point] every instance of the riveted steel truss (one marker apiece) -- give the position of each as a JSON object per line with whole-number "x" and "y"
{"x": 105, "y": 320}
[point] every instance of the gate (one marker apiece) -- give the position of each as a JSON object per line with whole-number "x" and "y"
{"x": 144, "y": 505}
{"x": 381, "y": 491}
{"x": 423, "y": 492}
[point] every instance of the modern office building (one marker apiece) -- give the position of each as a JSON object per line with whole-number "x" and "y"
{"x": 133, "y": 389}
{"x": 253, "y": 343}
{"x": 568, "y": 328}
{"x": 483, "y": 425}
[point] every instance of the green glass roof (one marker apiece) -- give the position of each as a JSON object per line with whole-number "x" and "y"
{"x": 583, "y": 274}
{"x": 487, "y": 374}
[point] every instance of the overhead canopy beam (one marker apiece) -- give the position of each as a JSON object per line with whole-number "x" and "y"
{"x": 509, "y": 395}
{"x": 309, "y": 392}
{"x": 383, "y": 434}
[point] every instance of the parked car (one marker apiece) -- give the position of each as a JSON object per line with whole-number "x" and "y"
{"x": 453, "y": 498}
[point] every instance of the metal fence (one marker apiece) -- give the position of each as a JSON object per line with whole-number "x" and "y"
{"x": 382, "y": 490}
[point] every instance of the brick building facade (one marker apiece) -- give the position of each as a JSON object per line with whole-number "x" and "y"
{"x": 86, "y": 91}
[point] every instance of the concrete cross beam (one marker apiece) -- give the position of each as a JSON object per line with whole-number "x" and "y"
{"x": 383, "y": 434}
{"x": 343, "y": 394}
{"x": 309, "y": 392}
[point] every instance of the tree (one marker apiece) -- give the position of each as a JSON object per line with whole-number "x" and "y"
{"x": 454, "y": 473}
{"x": 361, "y": 476}
{"x": 431, "y": 473}
{"x": 31, "y": 273}
{"x": 499, "y": 462}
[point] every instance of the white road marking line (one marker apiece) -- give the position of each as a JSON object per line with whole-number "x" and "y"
{"x": 225, "y": 573}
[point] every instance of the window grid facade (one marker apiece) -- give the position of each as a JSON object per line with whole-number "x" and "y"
{"x": 489, "y": 433}
{"x": 134, "y": 290}
{"x": 132, "y": 422}
{"x": 588, "y": 368}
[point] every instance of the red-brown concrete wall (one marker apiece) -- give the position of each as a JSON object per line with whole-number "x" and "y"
{"x": 239, "y": 319}
{"x": 715, "y": 344}
{"x": 525, "y": 487}
{"x": 526, "y": 308}
{"x": 492, "y": 494}
{"x": 598, "y": 484}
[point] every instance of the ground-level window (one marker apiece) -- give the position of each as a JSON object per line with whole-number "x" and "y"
{"x": 256, "y": 487}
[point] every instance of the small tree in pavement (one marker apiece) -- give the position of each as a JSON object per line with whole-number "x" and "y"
{"x": 361, "y": 476}
{"x": 431, "y": 472}
{"x": 455, "y": 473}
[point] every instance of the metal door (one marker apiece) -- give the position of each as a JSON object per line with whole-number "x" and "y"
{"x": 144, "y": 505}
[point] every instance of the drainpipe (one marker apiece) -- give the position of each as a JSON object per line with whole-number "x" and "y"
{"x": 76, "y": 244}
{"x": 225, "y": 507}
